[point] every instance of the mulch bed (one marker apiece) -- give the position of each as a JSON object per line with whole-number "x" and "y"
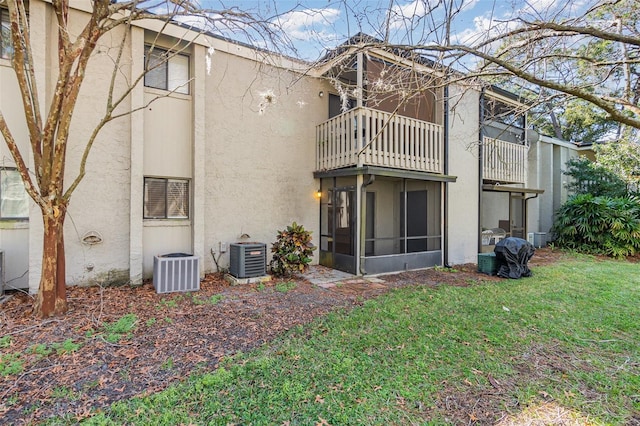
{"x": 175, "y": 335}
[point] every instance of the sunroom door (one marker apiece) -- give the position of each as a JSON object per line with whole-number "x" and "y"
{"x": 344, "y": 225}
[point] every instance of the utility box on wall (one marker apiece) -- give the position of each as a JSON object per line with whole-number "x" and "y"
{"x": 248, "y": 260}
{"x": 176, "y": 272}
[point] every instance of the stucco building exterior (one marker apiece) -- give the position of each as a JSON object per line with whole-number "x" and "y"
{"x": 235, "y": 149}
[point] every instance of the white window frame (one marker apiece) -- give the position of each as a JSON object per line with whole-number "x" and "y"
{"x": 14, "y": 197}
{"x": 166, "y": 70}
{"x": 182, "y": 207}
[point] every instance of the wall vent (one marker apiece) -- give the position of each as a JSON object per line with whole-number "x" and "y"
{"x": 176, "y": 272}
{"x": 248, "y": 260}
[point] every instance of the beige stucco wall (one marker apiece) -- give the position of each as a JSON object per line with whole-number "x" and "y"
{"x": 168, "y": 152}
{"x": 101, "y": 202}
{"x": 260, "y": 158}
{"x": 250, "y": 172}
{"x": 462, "y": 220}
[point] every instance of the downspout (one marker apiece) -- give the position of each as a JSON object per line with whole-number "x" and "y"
{"x": 526, "y": 213}
{"x": 481, "y": 163}
{"x": 363, "y": 222}
{"x": 445, "y": 242}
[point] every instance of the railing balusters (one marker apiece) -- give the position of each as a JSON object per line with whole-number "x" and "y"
{"x": 504, "y": 161}
{"x": 385, "y": 140}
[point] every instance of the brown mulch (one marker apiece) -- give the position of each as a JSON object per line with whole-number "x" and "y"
{"x": 175, "y": 335}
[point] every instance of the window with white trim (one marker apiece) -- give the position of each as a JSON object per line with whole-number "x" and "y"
{"x": 6, "y": 49}
{"x": 166, "y": 198}
{"x": 14, "y": 200}
{"x": 166, "y": 70}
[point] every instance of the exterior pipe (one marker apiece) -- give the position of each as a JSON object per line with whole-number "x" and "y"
{"x": 526, "y": 214}
{"x": 481, "y": 162}
{"x": 445, "y": 201}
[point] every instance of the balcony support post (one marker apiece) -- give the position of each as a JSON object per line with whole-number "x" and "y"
{"x": 359, "y": 103}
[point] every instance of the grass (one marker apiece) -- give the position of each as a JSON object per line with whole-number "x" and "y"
{"x": 569, "y": 334}
{"x": 13, "y": 363}
{"x": 120, "y": 329}
{"x": 285, "y": 286}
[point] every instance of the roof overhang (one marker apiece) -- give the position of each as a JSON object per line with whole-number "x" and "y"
{"x": 384, "y": 171}
{"x": 511, "y": 189}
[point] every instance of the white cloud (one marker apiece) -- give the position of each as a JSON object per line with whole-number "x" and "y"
{"x": 403, "y": 15}
{"x": 308, "y": 24}
{"x": 548, "y": 9}
{"x": 400, "y": 15}
{"x": 468, "y": 5}
{"x": 484, "y": 27}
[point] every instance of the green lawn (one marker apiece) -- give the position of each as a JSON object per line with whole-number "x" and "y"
{"x": 570, "y": 335}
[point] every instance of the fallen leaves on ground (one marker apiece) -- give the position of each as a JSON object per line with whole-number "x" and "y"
{"x": 174, "y": 335}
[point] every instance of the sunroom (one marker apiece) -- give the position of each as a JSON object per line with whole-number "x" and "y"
{"x": 504, "y": 151}
{"x": 380, "y": 159}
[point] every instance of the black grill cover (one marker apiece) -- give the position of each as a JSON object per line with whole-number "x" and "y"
{"x": 512, "y": 256}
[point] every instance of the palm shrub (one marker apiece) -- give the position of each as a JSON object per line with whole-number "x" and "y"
{"x": 292, "y": 251}
{"x": 599, "y": 225}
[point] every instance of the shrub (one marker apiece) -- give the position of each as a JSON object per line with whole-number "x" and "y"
{"x": 292, "y": 251}
{"x": 599, "y": 225}
{"x": 594, "y": 179}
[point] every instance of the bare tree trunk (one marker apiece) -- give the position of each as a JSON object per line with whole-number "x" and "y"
{"x": 51, "y": 298}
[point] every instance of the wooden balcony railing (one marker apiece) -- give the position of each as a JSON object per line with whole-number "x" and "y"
{"x": 504, "y": 161}
{"x": 365, "y": 136}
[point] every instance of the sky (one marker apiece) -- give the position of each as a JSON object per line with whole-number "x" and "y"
{"x": 314, "y": 26}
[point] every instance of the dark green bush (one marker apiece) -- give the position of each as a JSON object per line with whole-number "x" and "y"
{"x": 292, "y": 251}
{"x": 590, "y": 178}
{"x": 599, "y": 225}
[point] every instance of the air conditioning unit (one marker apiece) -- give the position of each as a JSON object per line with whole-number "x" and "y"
{"x": 537, "y": 239}
{"x": 248, "y": 260}
{"x": 176, "y": 272}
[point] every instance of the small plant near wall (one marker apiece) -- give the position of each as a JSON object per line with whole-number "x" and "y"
{"x": 292, "y": 251}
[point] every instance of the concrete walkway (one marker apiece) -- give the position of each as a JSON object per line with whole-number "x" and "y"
{"x": 326, "y": 277}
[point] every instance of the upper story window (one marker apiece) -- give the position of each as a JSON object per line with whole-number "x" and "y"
{"x": 166, "y": 70}
{"x": 14, "y": 200}
{"x": 5, "y": 35}
{"x": 502, "y": 112}
{"x": 166, "y": 198}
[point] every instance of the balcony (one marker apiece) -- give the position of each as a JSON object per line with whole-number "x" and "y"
{"x": 504, "y": 161}
{"x": 368, "y": 137}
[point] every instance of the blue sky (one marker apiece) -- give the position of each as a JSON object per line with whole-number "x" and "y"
{"x": 316, "y": 25}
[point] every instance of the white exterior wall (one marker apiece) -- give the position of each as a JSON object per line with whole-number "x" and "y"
{"x": 547, "y": 160}
{"x": 259, "y": 171}
{"x": 462, "y": 220}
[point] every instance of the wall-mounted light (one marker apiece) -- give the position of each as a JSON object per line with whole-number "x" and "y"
{"x": 321, "y": 94}
{"x": 318, "y": 194}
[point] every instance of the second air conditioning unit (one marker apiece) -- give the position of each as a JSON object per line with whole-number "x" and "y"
{"x": 248, "y": 260}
